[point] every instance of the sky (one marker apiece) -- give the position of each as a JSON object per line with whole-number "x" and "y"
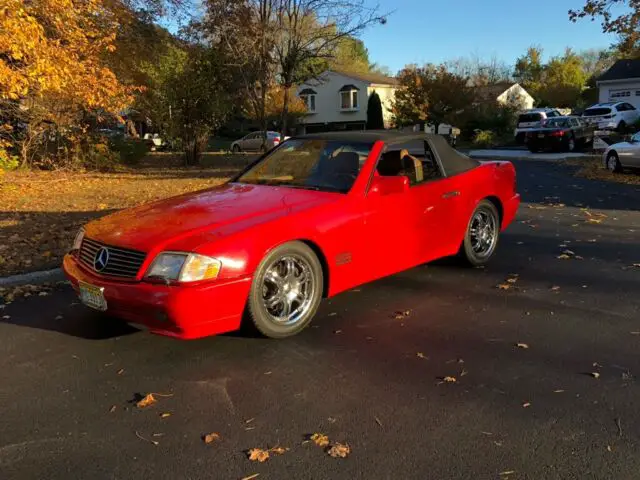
{"x": 433, "y": 31}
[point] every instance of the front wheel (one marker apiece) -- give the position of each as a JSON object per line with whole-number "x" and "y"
{"x": 481, "y": 239}
{"x": 613, "y": 163}
{"x": 571, "y": 144}
{"x": 235, "y": 148}
{"x": 286, "y": 291}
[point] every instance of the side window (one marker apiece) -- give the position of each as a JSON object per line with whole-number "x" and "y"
{"x": 413, "y": 159}
{"x": 621, "y": 107}
{"x": 630, "y": 107}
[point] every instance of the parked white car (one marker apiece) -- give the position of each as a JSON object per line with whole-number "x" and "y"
{"x": 253, "y": 142}
{"x": 623, "y": 154}
{"x": 611, "y": 115}
{"x": 532, "y": 119}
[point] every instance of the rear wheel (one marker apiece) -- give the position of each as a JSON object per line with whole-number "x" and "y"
{"x": 571, "y": 144}
{"x": 613, "y": 163}
{"x": 286, "y": 291}
{"x": 235, "y": 148}
{"x": 481, "y": 239}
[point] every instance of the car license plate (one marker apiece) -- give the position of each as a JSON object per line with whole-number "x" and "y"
{"x": 92, "y": 296}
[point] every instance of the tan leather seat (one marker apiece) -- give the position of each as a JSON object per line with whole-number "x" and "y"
{"x": 412, "y": 163}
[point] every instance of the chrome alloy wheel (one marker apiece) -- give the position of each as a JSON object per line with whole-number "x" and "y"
{"x": 483, "y": 233}
{"x": 288, "y": 289}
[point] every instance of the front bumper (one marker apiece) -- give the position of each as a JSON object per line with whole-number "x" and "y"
{"x": 182, "y": 311}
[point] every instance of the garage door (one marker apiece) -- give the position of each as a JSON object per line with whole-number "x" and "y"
{"x": 625, "y": 95}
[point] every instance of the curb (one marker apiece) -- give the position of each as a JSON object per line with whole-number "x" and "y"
{"x": 32, "y": 278}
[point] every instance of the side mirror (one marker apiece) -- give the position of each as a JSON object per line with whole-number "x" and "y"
{"x": 389, "y": 185}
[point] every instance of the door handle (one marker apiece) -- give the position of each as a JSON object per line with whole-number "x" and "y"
{"x": 451, "y": 194}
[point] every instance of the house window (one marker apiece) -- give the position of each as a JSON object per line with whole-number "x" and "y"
{"x": 349, "y": 97}
{"x": 308, "y": 96}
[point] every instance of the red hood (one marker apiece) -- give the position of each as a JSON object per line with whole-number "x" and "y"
{"x": 162, "y": 222}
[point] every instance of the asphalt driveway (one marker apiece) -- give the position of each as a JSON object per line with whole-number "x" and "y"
{"x": 543, "y": 350}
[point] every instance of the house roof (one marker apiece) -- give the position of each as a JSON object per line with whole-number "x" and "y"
{"x": 369, "y": 77}
{"x": 495, "y": 90}
{"x": 621, "y": 70}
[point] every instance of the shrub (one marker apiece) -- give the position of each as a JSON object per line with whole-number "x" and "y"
{"x": 95, "y": 155}
{"x": 130, "y": 150}
{"x": 484, "y": 138}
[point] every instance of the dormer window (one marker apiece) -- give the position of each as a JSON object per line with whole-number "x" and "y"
{"x": 349, "y": 98}
{"x": 308, "y": 96}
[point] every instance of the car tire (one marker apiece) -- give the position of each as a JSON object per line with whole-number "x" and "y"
{"x": 235, "y": 148}
{"x": 622, "y": 126}
{"x": 478, "y": 247}
{"x": 613, "y": 163}
{"x": 571, "y": 144}
{"x": 286, "y": 291}
{"x": 263, "y": 149}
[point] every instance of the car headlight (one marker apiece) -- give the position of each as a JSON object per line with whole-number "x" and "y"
{"x": 77, "y": 242}
{"x": 184, "y": 267}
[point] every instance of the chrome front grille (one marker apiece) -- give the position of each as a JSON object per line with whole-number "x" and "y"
{"x": 121, "y": 262}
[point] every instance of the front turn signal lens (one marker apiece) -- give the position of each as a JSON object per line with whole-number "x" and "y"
{"x": 200, "y": 267}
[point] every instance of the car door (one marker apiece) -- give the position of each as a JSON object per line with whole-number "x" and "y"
{"x": 632, "y": 114}
{"x": 633, "y": 157}
{"x": 393, "y": 223}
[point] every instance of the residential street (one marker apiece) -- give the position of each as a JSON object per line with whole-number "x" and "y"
{"x": 545, "y": 369}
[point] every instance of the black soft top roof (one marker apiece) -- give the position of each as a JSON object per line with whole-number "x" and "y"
{"x": 451, "y": 161}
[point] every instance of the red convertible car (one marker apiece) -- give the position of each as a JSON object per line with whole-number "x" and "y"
{"x": 316, "y": 216}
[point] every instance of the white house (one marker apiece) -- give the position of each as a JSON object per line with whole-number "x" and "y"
{"x": 621, "y": 83}
{"x": 338, "y": 100}
{"x": 506, "y": 93}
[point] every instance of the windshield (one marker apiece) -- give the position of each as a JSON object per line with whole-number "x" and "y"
{"x": 312, "y": 164}
{"x": 590, "y": 112}
{"x": 557, "y": 122}
{"x": 529, "y": 117}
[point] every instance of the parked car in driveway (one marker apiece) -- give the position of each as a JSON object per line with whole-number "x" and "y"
{"x": 623, "y": 154}
{"x": 560, "y": 133}
{"x": 531, "y": 119}
{"x": 611, "y": 116}
{"x": 316, "y": 216}
{"x": 253, "y": 142}
{"x": 154, "y": 141}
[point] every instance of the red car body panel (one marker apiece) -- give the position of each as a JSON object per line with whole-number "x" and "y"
{"x": 359, "y": 237}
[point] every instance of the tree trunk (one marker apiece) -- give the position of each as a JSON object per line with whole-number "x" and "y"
{"x": 285, "y": 111}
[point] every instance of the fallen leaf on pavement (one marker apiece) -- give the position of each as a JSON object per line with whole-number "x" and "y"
{"x": 504, "y": 286}
{"x": 59, "y": 317}
{"x": 420, "y": 355}
{"x": 146, "y": 439}
{"x": 339, "y": 450}
{"x": 378, "y": 421}
{"x": 320, "y": 439}
{"x": 165, "y": 415}
{"x": 278, "y": 450}
{"x": 251, "y": 477}
{"x": 258, "y": 455}
{"x": 120, "y": 372}
{"x": 112, "y": 409}
{"x": 526, "y": 404}
{"x": 594, "y": 220}
{"x": 400, "y": 315}
{"x": 211, "y": 437}
{"x": 522, "y": 345}
{"x": 555, "y": 288}
{"x": 146, "y": 401}
{"x": 634, "y": 333}
{"x": 558, "y": 391}
{"x": 507, "y": 472}
{"x": 448, "y": 379}
{"x": 564, "y": 257}
{"x": 595, "y": 374}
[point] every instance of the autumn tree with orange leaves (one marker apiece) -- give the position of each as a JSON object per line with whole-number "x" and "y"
{"x": 52, "y": 69}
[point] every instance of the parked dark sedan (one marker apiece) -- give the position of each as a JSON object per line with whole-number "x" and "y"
{"x": 560, "y": 133}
